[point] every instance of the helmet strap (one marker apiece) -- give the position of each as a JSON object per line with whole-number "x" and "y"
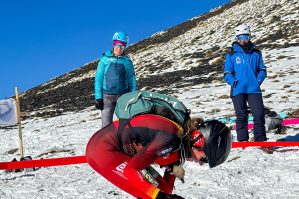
{"x": 196, "y": 139}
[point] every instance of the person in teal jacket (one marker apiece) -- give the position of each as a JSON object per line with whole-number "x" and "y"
{"x": 245, "y": 71}
{"x": 115, "y": 76}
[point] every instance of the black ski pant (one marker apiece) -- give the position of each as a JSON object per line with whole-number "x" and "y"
{"x": 256, "y": 105}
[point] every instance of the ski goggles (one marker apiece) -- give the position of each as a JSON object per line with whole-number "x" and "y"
{"x": 243, "y": 37}
{"x": 119, "y": 46}
{"x": 197, "y": 142}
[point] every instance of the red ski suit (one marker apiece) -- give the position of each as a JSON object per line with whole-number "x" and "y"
{"x": 150, "y": 139}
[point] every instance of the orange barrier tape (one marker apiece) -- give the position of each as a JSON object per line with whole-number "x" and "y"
{"x": 285, "y": 122}
{"x": 42, "y": 163}
{"x": 82, "y": 159}
{"x": 262, "y": 144}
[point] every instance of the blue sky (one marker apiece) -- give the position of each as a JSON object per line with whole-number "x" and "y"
{"x": 40, "y": 40}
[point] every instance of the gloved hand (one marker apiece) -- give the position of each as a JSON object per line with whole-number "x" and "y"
{"x": 99, "y": 104}
{"x": 162, "y": 195}
{"x": 177, "y": 171}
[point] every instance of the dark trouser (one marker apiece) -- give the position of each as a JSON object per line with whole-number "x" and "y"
{"x": 109, "y": 107}
{"x": 255, "y": 102}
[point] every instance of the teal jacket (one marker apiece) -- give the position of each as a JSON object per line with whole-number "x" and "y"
{"x": 115, "y": 75}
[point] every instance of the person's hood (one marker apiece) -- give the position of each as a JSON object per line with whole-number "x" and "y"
{"x": 241, "y": 49}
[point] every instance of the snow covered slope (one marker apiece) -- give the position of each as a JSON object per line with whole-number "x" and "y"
{"x": 183, "y": 56}
{"x": 248, "y": 173}
{"x": 187, "y": 62}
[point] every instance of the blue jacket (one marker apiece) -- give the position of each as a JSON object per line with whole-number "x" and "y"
{"x": 115, "y": 75}
{"x": 244, "y": 72}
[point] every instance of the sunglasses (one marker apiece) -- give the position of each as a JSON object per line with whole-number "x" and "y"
{"x": 243, "y": 37}
{"x": 197, "y": 140}
{"x": 119, "y": 46}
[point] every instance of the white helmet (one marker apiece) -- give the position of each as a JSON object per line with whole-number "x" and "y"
{"x": 242, "y": 29}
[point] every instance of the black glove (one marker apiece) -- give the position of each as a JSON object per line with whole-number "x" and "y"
{"x": 162, "y": 195}
{"x": 99, "y": 104}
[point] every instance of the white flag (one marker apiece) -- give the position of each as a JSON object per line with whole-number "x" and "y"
{"x": 8, "y": 112}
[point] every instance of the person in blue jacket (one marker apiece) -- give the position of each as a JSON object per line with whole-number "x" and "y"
{"x": 115, "y": 76}
{"x": 244, "y": 71}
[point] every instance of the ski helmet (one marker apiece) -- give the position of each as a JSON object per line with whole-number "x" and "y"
{"x": 242, "y": 29}
{"x": 217, "y": 141}
{"x": 120, "y": 36}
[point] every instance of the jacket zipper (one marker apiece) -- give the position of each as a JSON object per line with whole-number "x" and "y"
{"x": 117, "y": 74}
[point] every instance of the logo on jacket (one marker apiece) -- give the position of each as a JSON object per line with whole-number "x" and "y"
{"x": 238, "y": 60}
{"x": 165, "y": 151}
{"x": 121, "y": 167}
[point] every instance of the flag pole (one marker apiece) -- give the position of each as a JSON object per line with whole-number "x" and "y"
{"x": 19, "y": 122}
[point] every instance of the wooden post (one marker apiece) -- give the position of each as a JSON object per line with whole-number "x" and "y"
{"x": 19, "y": 122}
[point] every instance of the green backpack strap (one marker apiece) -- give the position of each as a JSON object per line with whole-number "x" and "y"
{"x": 175, "y": 116}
